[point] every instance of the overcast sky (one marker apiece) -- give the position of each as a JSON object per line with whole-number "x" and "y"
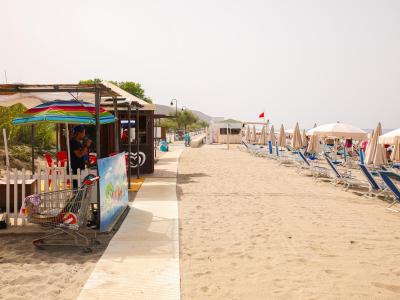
{"x": 307, "y": 61}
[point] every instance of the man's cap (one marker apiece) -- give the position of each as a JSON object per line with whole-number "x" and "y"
{"x": 79, "y": 128}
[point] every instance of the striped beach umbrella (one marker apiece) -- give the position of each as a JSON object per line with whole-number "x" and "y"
{"x": 60, "y": 111}
{"x": 68, "y": 112}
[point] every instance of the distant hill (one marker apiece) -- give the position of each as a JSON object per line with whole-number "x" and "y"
{"x": 166, "y": 110}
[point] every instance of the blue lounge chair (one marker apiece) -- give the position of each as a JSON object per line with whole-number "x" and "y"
{"x": 392, "y": 186}
{"x": 304, "y": 159}
{"x": 346, "y": 178}
{"x": 316, "y": 171}
{"x": 376, "y": 189}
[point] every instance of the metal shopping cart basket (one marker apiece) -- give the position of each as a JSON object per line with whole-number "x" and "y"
{"x": 65, "y": 211}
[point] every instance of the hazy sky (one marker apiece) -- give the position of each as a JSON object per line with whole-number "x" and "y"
{"x": 307, "y": 61}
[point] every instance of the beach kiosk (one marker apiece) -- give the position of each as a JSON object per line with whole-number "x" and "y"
{"x": 219, "y": 131}
{"x": 123, "y": 136}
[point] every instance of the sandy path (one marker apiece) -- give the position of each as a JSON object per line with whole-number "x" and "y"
{"x": 252, "y": 229}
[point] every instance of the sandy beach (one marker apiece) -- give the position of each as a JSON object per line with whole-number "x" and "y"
{"x": 53, "y": 273}
{"x": 252, "y": 229}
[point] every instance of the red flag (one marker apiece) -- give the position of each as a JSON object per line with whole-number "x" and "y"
{"x": 261, "y": 115}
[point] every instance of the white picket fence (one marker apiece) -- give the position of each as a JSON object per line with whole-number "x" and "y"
{"x": 47, "y": 179}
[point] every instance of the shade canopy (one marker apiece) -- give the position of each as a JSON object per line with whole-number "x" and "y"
{"x": 390, "y": 138}
{"x": 59, "y": 111}
{"x": 339, "y": 130}
{"x": 297, "y": 141}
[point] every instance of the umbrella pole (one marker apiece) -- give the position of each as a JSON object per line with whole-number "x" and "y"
{"x": 69, "y": 153}
{"x": 33, "y": 149}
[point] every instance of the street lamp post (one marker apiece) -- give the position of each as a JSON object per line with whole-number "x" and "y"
{"x": 176, "y": 106}
{"x": 176, "y": 114}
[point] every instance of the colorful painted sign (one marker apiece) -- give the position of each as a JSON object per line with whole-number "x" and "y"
{"x": 113, "y": 189}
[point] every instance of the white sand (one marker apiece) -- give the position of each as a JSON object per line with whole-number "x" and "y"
{"x": 252, "y": 229}
{"x": 50, "y": 274}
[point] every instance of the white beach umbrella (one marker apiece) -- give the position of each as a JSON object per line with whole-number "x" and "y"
{"x": 272, "y": 137}
{"x": 390, "y": 138}
{"x": 339, "y": 130}
{"x": 396, "y": 152}
{"x": 297, "y": 142}
{"x": 282, "y": 137}
{"x": 28, "y": 100}
{"x": 314, "y": 145}
{"x": 372, "y": 145}
{"x": 247, "y": 136}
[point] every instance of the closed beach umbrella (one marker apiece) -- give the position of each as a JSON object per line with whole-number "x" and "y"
{"x": 272, "y": 135}
{"x": 263, "y": 136}
{"x": 282, "y": 137}
{"x": 247, "y": 136}
{"x": 390, "y": 138}
{"x": 339, "y": 130}
{"x": 297, "y": 141}
{"x": 380, "y": 158}
{"x": 396, "y": 152}
{"x": 304, "y": 138}
{"x": 254, "y": 135}
{"x": 372, "y": 145}
{"x": 314, "y": 145}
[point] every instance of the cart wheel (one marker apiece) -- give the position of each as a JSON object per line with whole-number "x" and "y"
{"x": 96, "y": 242}
{"x": 38, "y": 243}
{"x": 87, "y": 250}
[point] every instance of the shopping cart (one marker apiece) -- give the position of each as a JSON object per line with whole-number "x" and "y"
{"x": 65, "y": 212}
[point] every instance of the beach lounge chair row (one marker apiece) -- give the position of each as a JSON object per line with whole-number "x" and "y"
{"x": 385, "y": 187}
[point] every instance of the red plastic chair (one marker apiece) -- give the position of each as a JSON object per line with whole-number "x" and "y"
{"x": 49, "y": 160}
{"x": 62, "y": 158}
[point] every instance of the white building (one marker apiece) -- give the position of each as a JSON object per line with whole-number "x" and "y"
{"x": 217, "y": 132}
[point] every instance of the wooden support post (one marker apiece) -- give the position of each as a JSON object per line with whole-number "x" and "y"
{"x": 129, "y": 146}
{"x": 98, "y": 148}
{"x": 116, "y": 131}
{"x": 137, "y": 143}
